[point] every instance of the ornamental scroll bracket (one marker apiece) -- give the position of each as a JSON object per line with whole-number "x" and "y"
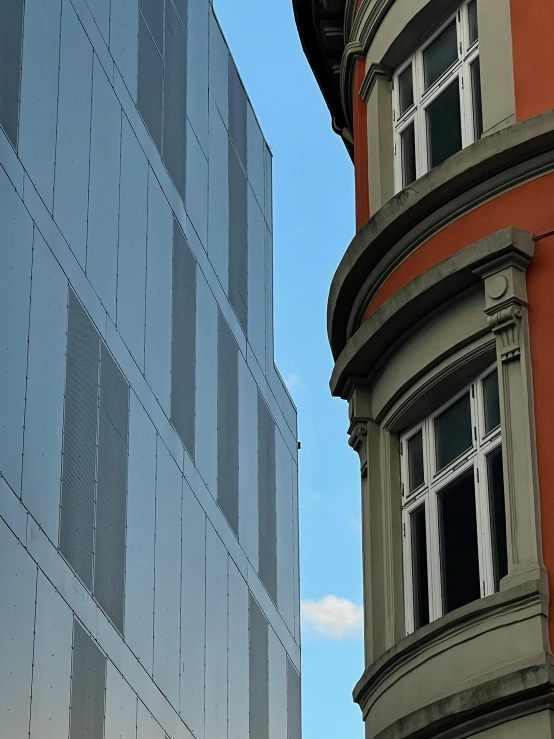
{"x": 506, "y": 326}
{"x": 359, "y": 413}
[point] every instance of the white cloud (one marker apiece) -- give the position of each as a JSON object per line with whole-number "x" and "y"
{"x": 333, "y": 617}
{"x": 293, "y": 382}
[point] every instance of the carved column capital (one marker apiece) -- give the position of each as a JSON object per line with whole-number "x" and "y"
{"x": 359, "y": 414}
{"x": 358, "y": 441}
{"x": 506, "y": 326}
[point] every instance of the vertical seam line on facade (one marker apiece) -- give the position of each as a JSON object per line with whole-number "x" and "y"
{"x": 27, "y": 363}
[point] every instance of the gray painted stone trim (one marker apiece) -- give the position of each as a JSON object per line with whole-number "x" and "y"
{"x": 505, "y": 692}
{"x": 395, "y": 318}
{"x": 506, "y": 309}
{"x": 482, "y": 171}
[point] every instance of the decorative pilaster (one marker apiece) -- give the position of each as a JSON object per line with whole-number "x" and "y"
{"x": 506, "y": 309}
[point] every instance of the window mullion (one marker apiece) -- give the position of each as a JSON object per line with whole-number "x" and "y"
{"x": 433, "y": 549}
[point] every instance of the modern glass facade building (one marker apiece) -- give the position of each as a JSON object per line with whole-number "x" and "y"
{"x": 149, "y": 582}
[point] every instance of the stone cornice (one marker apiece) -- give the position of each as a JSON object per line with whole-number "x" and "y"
{"x": 508, "y": 695}
{"x": 484, "y": 170}
{"x": 419, "y": 298}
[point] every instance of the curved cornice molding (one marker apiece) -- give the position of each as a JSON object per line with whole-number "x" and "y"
{"x": 500, "y": 697}
{"x": 484, "y": 170}
{"x": 398, "y": 316}
{"x": 324, "y": 52}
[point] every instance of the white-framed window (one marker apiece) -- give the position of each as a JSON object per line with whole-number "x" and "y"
{"x": 437, "y": 109}
{"x": 453, "y": 513}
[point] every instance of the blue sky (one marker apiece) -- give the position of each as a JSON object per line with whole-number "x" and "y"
{"x": 313, "y": 224}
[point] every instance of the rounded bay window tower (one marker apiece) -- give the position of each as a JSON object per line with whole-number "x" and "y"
{"x": 440, "y": 323}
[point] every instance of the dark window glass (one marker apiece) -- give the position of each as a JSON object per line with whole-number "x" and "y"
{"x": 419, "y": 567}
{"x": 458, "y": 537}
{"x": 444, "y": 127}
{"x": 477, "y": 101}
{"x": 498, "y": 516}
{"x": 406, "y": 89}
{"x": 440, "y": 55}
{"x": 453, "y": 432}
{"x": 473, "y": 25}
{"x": 407, "y": 144}
{"x": 491, "y": 402}
{"x": 415, "y": 461}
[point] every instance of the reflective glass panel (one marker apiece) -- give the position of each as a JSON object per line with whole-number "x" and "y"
{"x": 407, "y": 144}
{"x": 444, "y": 126}
{"x": 458, "y": 538}
{"x": 491, "y": 402}
{"x": 473, "y": 24}
{"x": 419, "y": 567}
{"x": 406, "y": 89}
{"x": 453, "y": 432}
{"x": 415, "y": 461}
{"x": 477, "y": 101}
{"x": 440, "y": 54}
{"x": 498, "y": 516}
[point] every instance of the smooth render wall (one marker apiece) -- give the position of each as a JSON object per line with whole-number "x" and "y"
{"x": 148, "y": 446}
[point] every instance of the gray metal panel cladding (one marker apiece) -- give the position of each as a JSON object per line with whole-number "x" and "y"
{"x": 258, "y": 671}
{"x": 175, "y": 99}
{"x": 228, "y": 424}
{"x": 267, "y": 514}
{"x": 237, "y": 112}
{"x": 88, "y": 685}
{"x": 183, "y": 342}
{"x": 150, "y": 83}
{"x": 238, "y": 239}
{"x": 153, "y": 13}
{"x": 79, "y": 441}
{"x": 111, "y": 495}
{"x": 294, "y": 713}
{"x": 11, "y": 42}
{"x": 182, "y": 9}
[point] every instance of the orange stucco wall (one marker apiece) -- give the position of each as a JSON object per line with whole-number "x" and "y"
{"x": 528, "y": 207}
{"x": 361, "y": 166}
{"x": 533, "y": 47}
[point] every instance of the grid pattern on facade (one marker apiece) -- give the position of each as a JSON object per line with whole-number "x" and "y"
{"x": 94, "y": 474}
{"x": 11, "y": 40}
{"x": 227, "y": 425}
{"x": 162, "y": 75}
{"x": 142, "y": 546}
{"x": 258, "y": 672}
{"x": 88, "y": 686}
{"x": 183, "y": 344}
{"x": 267, "y": 525}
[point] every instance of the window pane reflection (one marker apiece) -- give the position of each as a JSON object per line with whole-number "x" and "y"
{"x": 407, "y": 143}
{"x": 444, "y": 126}
{"x": 491, "y": 402}
{"x": 473, "y": 24}
{"x": 406, "y": 89}
{"x": 453, "y": 432}
{"x": 415, "y": 461}
{"x": 440, "y": 54}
